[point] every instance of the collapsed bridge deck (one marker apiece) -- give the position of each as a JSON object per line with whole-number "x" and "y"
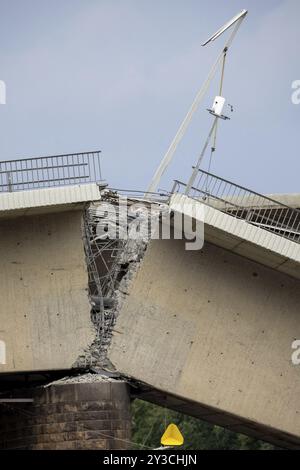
{"x": 211, "y": 329}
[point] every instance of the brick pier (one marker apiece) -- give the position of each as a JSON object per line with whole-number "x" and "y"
{"x": 69, "y": 416}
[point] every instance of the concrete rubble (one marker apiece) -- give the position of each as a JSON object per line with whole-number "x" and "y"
{"x": 112, "y": 265}
{"x": 83, "y": 378}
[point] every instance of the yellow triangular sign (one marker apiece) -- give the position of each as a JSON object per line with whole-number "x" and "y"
{"x": 172, "y": 436}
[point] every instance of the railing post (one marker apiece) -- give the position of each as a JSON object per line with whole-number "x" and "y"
{"x": 9, "y": 182}
{"x": 175, "y": 186}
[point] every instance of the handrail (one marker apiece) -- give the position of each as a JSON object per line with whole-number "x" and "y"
{"x": 52, "y": 170}
{"x": 242, "y": 203}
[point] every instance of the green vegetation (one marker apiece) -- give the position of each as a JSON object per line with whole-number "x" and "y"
{"x": 150, "y": 421}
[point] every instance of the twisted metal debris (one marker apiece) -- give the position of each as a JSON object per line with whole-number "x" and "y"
{"x": 111, "y": 263}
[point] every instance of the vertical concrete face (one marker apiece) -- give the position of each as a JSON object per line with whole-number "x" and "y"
{"x": 215, "y": 330}
{"x": 71, "y": 416}
{"x": 45, "y": 311}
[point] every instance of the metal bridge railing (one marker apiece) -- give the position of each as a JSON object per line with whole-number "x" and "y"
{"x": 44, "y": 172}
{"x": 245, "y": 204}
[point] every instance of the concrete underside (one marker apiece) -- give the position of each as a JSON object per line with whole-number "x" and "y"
{"x": 44, "y": 311}
{"x": 212, "y": 331}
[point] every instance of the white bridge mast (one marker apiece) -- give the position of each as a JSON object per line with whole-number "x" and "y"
{"x": 237, "y": 20}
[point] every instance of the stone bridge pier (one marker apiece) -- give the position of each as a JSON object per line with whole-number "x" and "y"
{"x": 84, "y": 415}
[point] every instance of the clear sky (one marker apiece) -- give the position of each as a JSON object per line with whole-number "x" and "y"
{"x": 120, "y": 75}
